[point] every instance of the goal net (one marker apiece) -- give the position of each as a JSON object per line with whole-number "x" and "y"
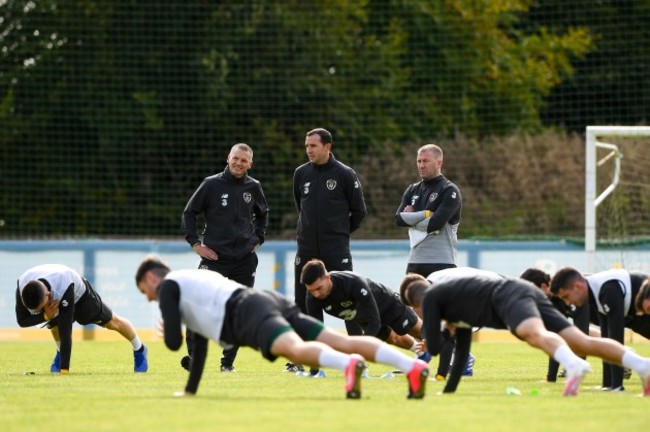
{"x": 617, "y": 198}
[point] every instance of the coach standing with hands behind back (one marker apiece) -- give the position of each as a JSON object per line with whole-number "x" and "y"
{"x": 236, "y": 216}
{"x": 330, "y": 205}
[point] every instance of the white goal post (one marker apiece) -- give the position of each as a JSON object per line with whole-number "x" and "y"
{"x": 593, "y": 141}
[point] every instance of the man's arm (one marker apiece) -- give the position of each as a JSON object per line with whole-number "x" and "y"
{"x": 431, "y": 323}
{"x": 357, "y": 203}
{"x": 261, "y": 211}
{"x": 406, "y": 200}
{"x": 612, "y": 299}
{"x": 367, "y": 309}
{"x": 296, "y": 191}
{"x": 463, "y": 342}
{"x": 199, "y": 355}
{"x": 193, "y": 208}
{"x": 451, "y": 202}
{"x": 169, "y": 295}
{"x": 64, "y": 321}
{"x": 313, "y": 306}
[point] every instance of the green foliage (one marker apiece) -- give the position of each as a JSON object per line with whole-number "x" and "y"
{"x": 112, "y": 113}
{"x": 102, "y": 393}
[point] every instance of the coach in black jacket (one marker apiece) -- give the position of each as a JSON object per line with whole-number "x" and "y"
{"x": 236, "y": 216}
{"x": 330, "y": 206}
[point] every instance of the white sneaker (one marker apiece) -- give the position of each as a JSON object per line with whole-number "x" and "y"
{"x": 574, "y": 375}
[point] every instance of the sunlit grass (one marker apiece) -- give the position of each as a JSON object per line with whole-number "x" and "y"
{"x": 103, "y": 394}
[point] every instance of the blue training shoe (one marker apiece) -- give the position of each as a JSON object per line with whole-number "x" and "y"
{"x": 55, "y": 367}
{"x": 469, "y": 366}
{"x": 140, "y": 363}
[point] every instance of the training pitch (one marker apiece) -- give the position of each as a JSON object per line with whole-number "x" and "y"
{"x": 103, "y": 394}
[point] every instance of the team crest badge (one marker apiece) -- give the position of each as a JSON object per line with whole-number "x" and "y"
{"x": 297, "y": 260}
{"x": 331, "y": 184}
{"x": 433, "y": 197}
{"x": 247, "y": 197}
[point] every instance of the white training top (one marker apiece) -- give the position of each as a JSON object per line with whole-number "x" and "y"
{"x": 597, "y": 280}
{"x": 459, "y": 272}
{"x": 204, "y": 294}
{"x": 58, "y": 276}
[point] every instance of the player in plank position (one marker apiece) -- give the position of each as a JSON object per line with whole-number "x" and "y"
{"x": 366, "y": 306}
{"x": 222, "y": 310}
{"x": 58, "y": 296}
{"x": 612, "y": 295}
{"x": 463, "y": 301}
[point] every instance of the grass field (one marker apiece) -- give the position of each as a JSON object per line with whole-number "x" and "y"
{"x": 102, "y": 394}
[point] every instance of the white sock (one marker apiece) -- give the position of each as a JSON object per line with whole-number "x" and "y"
{"x": 58, "y": 345}
{"x": 136, "y": 343}
{"x": 414, "y": 348}
{"x": 565, "y": 356}
{"x": 391, "y": 356}
{"x": 333, "y": 359}
{"x": 635, "y": 362}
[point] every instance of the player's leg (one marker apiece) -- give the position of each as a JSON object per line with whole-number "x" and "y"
{"x": 403, "y": 341}
{"x": 242, "y": 271}
{"x": 55, "y": 367}
{"x": 611, "y": 351}
{"x": 377, "y": 351}
{"x": 447, "y": 351}
{"x": 533, "y": 332}
{"x": 124, "y": 327}
{"x": 316, "y": 354}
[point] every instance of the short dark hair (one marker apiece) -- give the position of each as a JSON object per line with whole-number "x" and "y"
{"x": 33, "y": 294}
{"x": 405, "y": 284}
{"x": 151, "y": 263}
{"x": 415, "y": 292}
{"x": 564, "y": 279}
{"x": 536, "y": 276}
{"x": 325, "y": 135}
{"x": 312, "y": 271}
{"x": 643, "y": 294}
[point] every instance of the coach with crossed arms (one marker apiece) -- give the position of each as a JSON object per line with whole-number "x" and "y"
{"x": 236, "y": 216}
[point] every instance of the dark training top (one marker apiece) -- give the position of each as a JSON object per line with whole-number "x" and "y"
{"x": 476, "y": 301}
{"x": 235, "y": 213}
{"x": 358, "y": 299}
{"x": 330, "y": 206}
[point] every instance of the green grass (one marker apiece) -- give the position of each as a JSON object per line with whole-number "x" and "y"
{"x": 102, "y": 394}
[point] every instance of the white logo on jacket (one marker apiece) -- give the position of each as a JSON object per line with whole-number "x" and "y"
{"x": 305, "y": 188}
{"x": 433, "y": 197}
{"x": 331, "y": 184}
{"x": 224, "y": 200}
{"x": 247, "y": 197}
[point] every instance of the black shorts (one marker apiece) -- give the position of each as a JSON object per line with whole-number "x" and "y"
{"x": 255, "y": 318}
{"x": 516, "y": 301}
{"x": 399, "y": 318}
{"x": 90, "y": 309}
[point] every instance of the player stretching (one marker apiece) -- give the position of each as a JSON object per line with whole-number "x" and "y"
{"x": 464, "y": 302}
{"x": 222, "y": 310}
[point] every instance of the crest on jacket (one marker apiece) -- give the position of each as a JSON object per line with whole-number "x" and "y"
{"x": 247, "y": 197}
{"x": 331, "y": 184}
